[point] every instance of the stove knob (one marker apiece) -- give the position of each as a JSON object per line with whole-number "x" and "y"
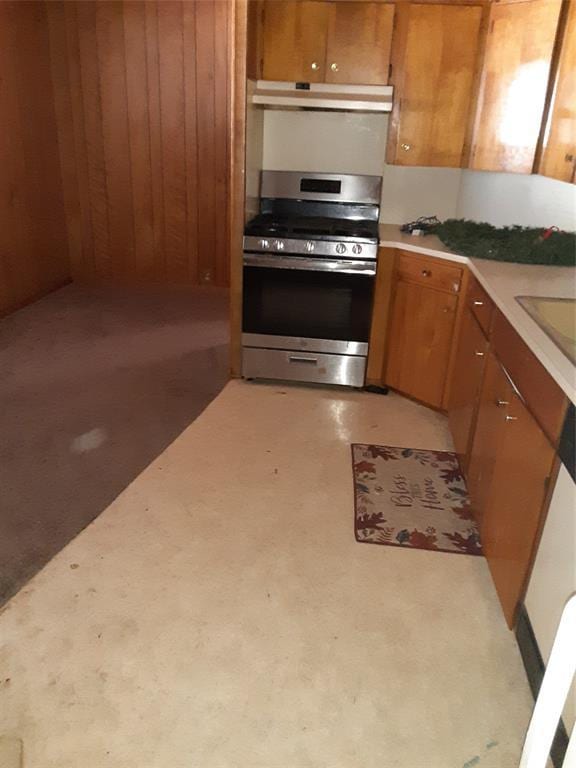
{"x": 340, "y": 248}
{"x": 357, "y": 249}
{"x": 309, "y": 246}
{"x": 264, "y": 244}
{"x": 278, "y": 244}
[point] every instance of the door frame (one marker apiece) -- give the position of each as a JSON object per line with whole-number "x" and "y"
{"x": 237, "y": 50}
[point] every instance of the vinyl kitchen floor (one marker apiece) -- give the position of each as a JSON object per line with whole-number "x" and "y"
{"x": 219, "y": 613}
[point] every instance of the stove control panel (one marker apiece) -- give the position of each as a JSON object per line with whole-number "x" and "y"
{"x": 320, "y": 248}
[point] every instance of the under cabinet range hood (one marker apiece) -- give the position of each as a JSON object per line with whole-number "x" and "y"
{"x": 349, "y": 98}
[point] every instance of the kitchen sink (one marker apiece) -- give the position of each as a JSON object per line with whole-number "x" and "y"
{"x": 556, "y": 317}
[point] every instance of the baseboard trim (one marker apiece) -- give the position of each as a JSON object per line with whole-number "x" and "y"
{"x": 534, "y": 666}
{"x": 9, "y": 309}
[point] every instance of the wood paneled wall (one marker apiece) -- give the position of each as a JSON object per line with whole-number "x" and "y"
{"x": 141, "y": 95}
{"x": 33, "y": 244}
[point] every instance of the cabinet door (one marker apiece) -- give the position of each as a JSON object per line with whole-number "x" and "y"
{"x": 559, "y": 151}
{"x": 420, "y": 341}
{"x": 514, "y": 84}
{"x": 466, "y": 383}
{"x": 359, "y": 42}
{"x": 295, "y": 40}
{"x": 494, "y": 395}
{"x": 434, "y": 72}
{"x": 515, "y": 507}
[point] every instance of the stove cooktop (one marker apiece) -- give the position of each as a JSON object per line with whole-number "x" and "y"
{"x": 312, "y": 228}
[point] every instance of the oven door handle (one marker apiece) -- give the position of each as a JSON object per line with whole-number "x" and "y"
{"x": 345, "y": 266}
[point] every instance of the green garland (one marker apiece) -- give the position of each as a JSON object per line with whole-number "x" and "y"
{"x": 522, "y": 245}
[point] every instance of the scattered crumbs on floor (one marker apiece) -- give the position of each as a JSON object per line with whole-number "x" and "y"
{"x": 73, "y": 566}
{"x": 472, "y": 762}
{"x": 491, "y": 744}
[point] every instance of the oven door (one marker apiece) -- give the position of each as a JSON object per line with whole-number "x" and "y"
{"x": 299, "y": 298}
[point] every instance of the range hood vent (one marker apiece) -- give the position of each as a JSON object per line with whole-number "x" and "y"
{"x": 349, "y": 98}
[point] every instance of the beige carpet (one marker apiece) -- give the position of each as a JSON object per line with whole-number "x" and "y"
{"x": 220, "y": 614}
{"x": 94, "y": 384}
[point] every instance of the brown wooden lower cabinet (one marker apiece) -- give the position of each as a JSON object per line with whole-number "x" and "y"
{"x": 505, "y": 440}
{"x": 466, "y": 382}
{"x": 496, "y": 391}
{"x": 511, "y": 463}
{"x": 420, "y": 341}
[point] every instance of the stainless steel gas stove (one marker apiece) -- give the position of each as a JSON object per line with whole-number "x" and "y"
{"x": 309, "y": 271}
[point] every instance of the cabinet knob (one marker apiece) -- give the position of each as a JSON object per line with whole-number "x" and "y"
{"x": 502, "y": 403}
{"x": 334, "y": 67}
{"x": 569, "y": 157}
{"x": 314, "y": 65}
{"x": 478, "y": 303}
{"x": 511, "y": 418}
{"x": 426, "y": 273}
{"x": 479, "y": 354}
{"x": 406, "y": 147}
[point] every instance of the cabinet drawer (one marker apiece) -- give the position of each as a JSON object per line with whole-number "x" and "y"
{"x": 480, "y": 304}
{"x": 544, "y": 398}
{"x": 429, "y": 272}
{"x": 313, "y": 367}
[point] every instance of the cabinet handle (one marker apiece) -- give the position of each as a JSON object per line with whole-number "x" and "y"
{"x": 479, "y": 354}
{"x": 569, "y": 158}
{"x": 511, "y": 418}
{"x": 426, "y": 273}
{"x": 314, "y": 65}
{"x": 406, "y": 147}
{"x": 502, "y": 403}
{"x": 298, "y": 359}
{"x": 334, "y": 67}
{"x": 478, "y": 303}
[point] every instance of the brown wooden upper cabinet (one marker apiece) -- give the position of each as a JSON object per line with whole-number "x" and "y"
{"x": 434, "y": 64}
{"x": 559, "y": 140}
{"x": 327, "y": 42}
{"x": 514, "y": 84}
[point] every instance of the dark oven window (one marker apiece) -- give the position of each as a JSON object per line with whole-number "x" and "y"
{"x": 307, "y": 304}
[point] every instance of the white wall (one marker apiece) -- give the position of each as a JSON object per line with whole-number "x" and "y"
{"x": 347, "y": 142}
{"x": 553, "y": 579}
{"x": 510, "y": 198}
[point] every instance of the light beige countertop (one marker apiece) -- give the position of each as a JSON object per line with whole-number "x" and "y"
{"x": 504, "y": 282}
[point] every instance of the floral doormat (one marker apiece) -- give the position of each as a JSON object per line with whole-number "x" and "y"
{"x": 407, "y": 497}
